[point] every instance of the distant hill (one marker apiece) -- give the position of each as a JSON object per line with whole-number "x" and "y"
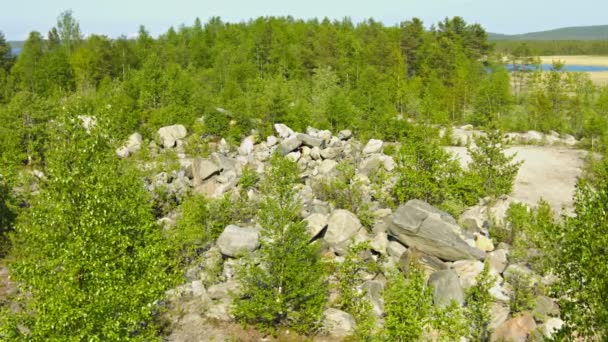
{"x": 599, "y": 32}
{"x": 16, "y": 44}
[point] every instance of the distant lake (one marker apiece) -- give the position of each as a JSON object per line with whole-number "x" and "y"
{"x": 586, "y": 68}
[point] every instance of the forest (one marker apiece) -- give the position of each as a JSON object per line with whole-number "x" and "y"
{"x": 79, "y": 227}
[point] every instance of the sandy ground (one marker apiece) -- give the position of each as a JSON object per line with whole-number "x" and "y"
{"x": 548, "y": 172}
{"x": 577, "y": 60}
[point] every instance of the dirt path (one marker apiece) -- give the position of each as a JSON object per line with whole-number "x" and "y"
{"x": 548, "y": 172}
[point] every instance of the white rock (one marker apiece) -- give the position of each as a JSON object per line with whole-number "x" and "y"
{"x": 169, "y": 135}
{"x": 283, "y": 131}
{"x": 271, "y": 140}
{"x": 315, "y": 223}
{"x": 339, "y": 323}
{"x": 247, "y": 146}
{"x": 467, "y": 271}
{"x": 373, "y": 146}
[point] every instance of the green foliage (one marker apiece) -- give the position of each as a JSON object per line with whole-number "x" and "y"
{"x": 490, "y": 166}
{"x": 408, "y": 304}
{"x": 287, "y": 285}
{"x": 478, "y": 301}
{"x": 351, "y": 299}
{"x": 450, "y": 322}
{"x": 522, "y": 295}
{"x": 7, "y": 216}
{"x": 249, "y": 178}
{"x": 345, "y": 191}
{"x": 581, "y": 261}
{"x": 87, "y": 251}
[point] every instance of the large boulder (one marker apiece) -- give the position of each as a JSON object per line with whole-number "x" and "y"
{"x": 418, "y": 224}
{"x": 310, "y": 140}
{"x": 516, "y": 329}
{"x": 289, "y": 145}
{"x": 169, "y": 135}
{"x": 203, "y": 169}
{"x": 236, "y": 241}
{"x": 338, "y": 323}
{"x": 341, "y": 227}
{"x": 446, "y": 288}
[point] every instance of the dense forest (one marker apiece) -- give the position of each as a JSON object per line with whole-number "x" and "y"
{"x": 555, "y": 47}
{"x": 81, "y": 235}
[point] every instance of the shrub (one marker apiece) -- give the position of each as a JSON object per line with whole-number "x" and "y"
{"x": 287, "y": 285}
{"x": 478, "y": 300}
{"x": 522, "y": 294}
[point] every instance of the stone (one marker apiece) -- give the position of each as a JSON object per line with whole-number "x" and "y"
{"x": 379, "y": 243}
{"x": 499, "y": 314}
{"x": 388, "y": 162}
{"x": 338, "y": 323}
{"x": 224, "y": 290}
{"x": 325, "y": 135}
{"x": 315, "y": 223}
{"x": 342, "y": 226}
{"x": 289, "y": 145}
{"x": 330, "y": 153}
{"x": 235, "y": 241}
{"x": 345, "y": 134}
{"x": 169, "y": 135}
{"x": 474, "y": 219}
{"x": 446, "y": 288}
{"x": 370, "y": 164}
{"x": 271, "y": 140}
{"x": 373, "y": 146}
{"x": 484, "y": 243}
{"x": 283, "y": 131}
{"x": 430, "y": 264}
{"x": 310, "y": 140}
{"x": 532, "y": 137}
{"x": 418, "y": 224}
{"x": 134, "y": 142}
{"x": 497, "y": 260}
{"x": 551, "y": 327}
{"x": 467, "y": 271}
{"x": 246, "y": 146}
{"x": 373, "y": 290}
{"x": 395, "y": 249}
{"x": 88, "y": 122}
{"x": 315, "y": 153}
{"x": 293, "y": 156}
{"x": 203, "y": 169}
{"x": 122, "y": 152}
{"x": 515, "y": 329}
{"x": 544, "y": 307}
{"x": 327, "y": 166}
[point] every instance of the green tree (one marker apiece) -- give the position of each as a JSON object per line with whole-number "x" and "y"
{"x": 6, "y": 59}
{"x": 581, "y": 260}
{"x": 478, "y": 300}
{"x": 288, "y": 286}
{"x": 494, "y": 171}
{"x": 68, "y": 29}
{"x": 90, "y": 257}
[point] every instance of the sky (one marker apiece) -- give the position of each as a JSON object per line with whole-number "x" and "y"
{"x": 123, "y": 17}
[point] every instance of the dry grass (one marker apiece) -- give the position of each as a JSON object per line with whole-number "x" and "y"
{"x": 577, "y": 60}
{"x": 599, "y": 77}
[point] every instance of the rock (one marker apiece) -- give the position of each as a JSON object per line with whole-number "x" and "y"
{"x": 388, "y": 162}
{"x": 345, "y": 134}
{"x": 338, "y": 323}
{"x": 373, "y": 146}
{"x": 418, "y": 224}
{"x": 235, "y": 241}
{"x": 289, "y": 145}
{"x": 283, "y": 131}
{"x": 544, "y": 307}
{"x": 484, "y": 243}
{"x": 246, "y": 146}
{"x": 203, "y": 169}
{"x": 498, "y": 261}
{"x": 341, "y": 227}
{"x": 516, "y": 329}
{"x": 315, "y": 223}
{"x": 88, "y": 122}
{"x": 134, "y": 142}
{"x": 271, "y": 140}
{"x": 532, "y": 137}
{"x": 430, "y": 264}
{"x": 551, "y": 327}
{"x": 325, "y": 135}
{"x": 220, "y": 311}
{"x": 467, "y": 271}
{"x": 474, "y": 219}
{"x": 379, "y": 243}
{"x": 446, "y": 288}
{"x": 122, "y": 152}
{"x": 224, "y": 290}
{"x": 395, "y": 249}
{"x": 569, "y": 140}
{"x": 327, "y": 166}
{"x": 330, "y": 153}
{"x": 315, "y": 153}
{"x": 169, "y": 135}
{"x": 370, "y": 164}
{"x": 293, "y": 156}
{"x": 311, "y": 141}
{"x": 373, "y": 289}
{"x": 499, "y": 313}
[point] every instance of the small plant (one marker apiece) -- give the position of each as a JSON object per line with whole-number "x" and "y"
{"x": 522, "y": 294}
{"x": 478, "y": 300}
{"x": 249, "y": 178}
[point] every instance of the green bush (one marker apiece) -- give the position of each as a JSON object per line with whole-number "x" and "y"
{"x": 522, "y": 294}
{"x": 286, "y": 286}
{"x": 478, "y": 300}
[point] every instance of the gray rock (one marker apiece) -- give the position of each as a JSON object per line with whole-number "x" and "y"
{"x": 499, "y": 313}
{"x": 516, "y": 329}
{"x": 289, "y": 145}
{"x": 373, "y": 146}
{"x": 293, "y": 156}
{"x": 223, "y": 290}
{"x": 446, "y": 288}
{"x": 283, "y": 131}
{"x": 345, "y": 134}
{"x": 338, "y": 323}
{"x": 551, "y": 327}
{"x": 373, "y": 290}
{"x": 379, "y": 243}
{"x": 235, "y": 241}
{"x": 544, "y": 308}
{"x": 246, "y": 146}
{"x": 498, "y": 261}
{"x": 203, "y": 169}
{"x": 417, "y": 224}
{"x": 430, "y": 264}
{"x": 271, "y": 140}
{"x": 327, "y": 166}
{"x": 341, "y": 227}
{"x": 315, "y": 223}
{"x": 310, "y": 140}
{"x": 467, "y": 271}
{"x": 330, "y": 153}
{"x": 169, "y": 135}
{"x": 122, "y": 152}
{"x": 134, "y": 142}
{"x": 395, "y": 249}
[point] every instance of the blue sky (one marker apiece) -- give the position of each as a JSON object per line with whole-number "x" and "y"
{"x": 116, "y": 17}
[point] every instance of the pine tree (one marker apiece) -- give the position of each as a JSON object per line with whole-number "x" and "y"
{"x": 287, "y": 287}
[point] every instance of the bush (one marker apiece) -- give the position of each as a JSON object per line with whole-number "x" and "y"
{"x": 478, "y": 300}
{"x": 286, "y": 286}
{"x": 522, "y": 294}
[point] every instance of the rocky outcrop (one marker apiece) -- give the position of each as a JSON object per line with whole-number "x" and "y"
{"x": 417, "y": 224}
{"x": 338, "y": 323}
{"x": 170, "y": 135}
